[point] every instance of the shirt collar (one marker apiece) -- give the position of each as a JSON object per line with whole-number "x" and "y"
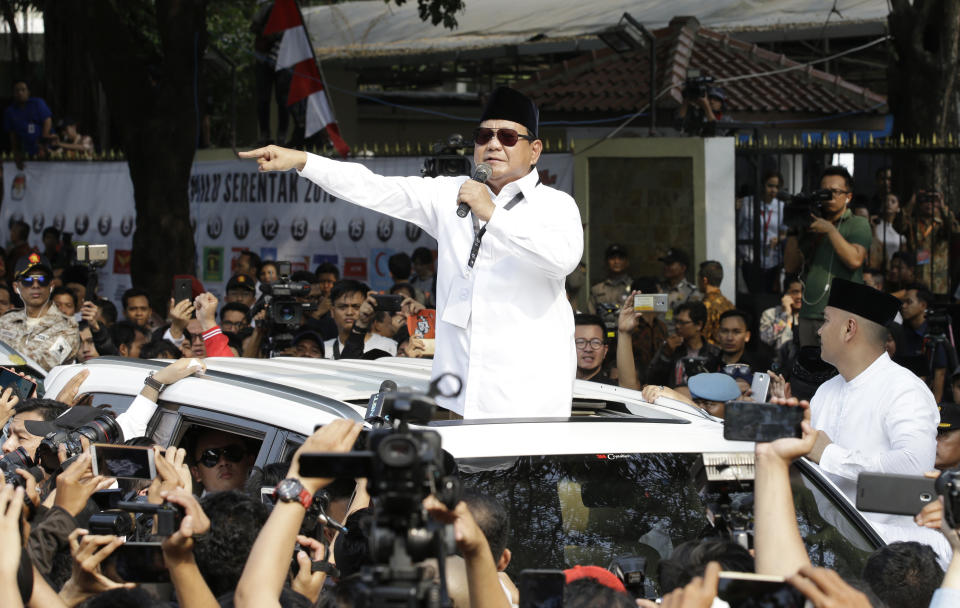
{"x": 874, "y": 368}
{"x": 525, "y": 184}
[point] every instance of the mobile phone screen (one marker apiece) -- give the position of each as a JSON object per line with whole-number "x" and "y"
{"x": 124, "y": 461}
{"x": 749, "y": 421}
{"x": 22, "y": 387}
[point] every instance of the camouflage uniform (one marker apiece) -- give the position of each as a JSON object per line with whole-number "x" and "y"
{"x": 54, "y": 339}
{"x": 610, "y": 291}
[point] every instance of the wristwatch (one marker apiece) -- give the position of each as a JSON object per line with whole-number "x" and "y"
{"x": 291, "y": 490}
{"x": 149, "y": 381}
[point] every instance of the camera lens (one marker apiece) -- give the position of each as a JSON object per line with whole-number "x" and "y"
{"x": 102, "y": 429}
{"x": 397, "y": 451}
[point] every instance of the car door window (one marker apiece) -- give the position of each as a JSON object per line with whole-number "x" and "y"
{"x": 116, "y": 402}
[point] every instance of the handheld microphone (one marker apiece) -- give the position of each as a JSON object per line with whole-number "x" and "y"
{"x": 482, "y": 174}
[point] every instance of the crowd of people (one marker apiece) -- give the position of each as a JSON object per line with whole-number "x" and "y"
{"x": 34, "y": 134}
{"x": 841, "y": 335}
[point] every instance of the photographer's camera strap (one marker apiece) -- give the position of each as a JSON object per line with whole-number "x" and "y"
{"x": 478, "y": 232}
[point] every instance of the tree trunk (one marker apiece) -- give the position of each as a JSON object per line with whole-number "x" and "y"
{"x": 923, "y": 91}
{"x": 150, "y": 91}
{"x": 18, "y": 42}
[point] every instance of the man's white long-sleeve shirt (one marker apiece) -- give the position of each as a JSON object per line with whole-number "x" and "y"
{"x": 883, "y": 421}
{"x": 516, "y": 356}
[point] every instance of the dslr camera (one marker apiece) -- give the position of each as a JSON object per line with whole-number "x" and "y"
{"x": 284, "y": 312}
{"x": 448, "y": 158}
{"x": 796, "y": 214}
{"x": 19, "y": 459}
{"x": 102, "y": 429}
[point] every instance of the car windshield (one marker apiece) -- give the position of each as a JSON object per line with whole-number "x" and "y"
{"x": 590, "y": 509}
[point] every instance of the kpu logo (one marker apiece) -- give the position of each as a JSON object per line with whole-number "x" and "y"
{"x": 413, "y": 232}
{"x": 59, "y": 222}
{"x": 385, "y": 229}
{"x": 103, "y": 225}
{"x": 81, "y": 223}
{"x": 328, "y": 228}
{"x": 38, "y": 220}
{"x": 241, "y": 226}
{"x": 126, "y": 225}
{"x": 355, "y": 229}
{"x": 270, "y": 228}
{"x": 298, "y": 229}
{"x": 214, "y": 227}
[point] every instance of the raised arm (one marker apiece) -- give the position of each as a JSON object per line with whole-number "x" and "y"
{"x": 778, "y": 546}
{"x": 266, "y": 568}
{"x": 626, "y": 365}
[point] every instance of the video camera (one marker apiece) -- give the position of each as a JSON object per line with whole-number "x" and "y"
{"x": 695, "y": 86}
{"x": 796, "y": 214}
{"x": 135, "y": 520}
{"x": 402, "y": 467}
{"x": 284, "y": 312}
{"x": 19, "y": 459}
{"x": 102, "y": 429}
{"x": 448, "y": 159}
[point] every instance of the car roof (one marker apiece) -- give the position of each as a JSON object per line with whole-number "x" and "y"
{"x": 299, "y": 393}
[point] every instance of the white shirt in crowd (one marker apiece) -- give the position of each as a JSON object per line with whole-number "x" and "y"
{"x": 883, "y": 421}
{"x": 505, "y": 328}
{"x": 771, "y": 228}
{"x": 890, "y": 238}
{"x": 376, "y": 341}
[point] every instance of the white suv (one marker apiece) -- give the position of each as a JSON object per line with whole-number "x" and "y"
{"x": 622, "y": 477}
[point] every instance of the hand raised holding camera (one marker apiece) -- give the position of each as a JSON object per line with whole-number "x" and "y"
{"x": 338, "y": 436}
{"x": 77, "y": 484}
{"x": 308, "y": 583}
{"x": 87, "y": 579}
{"x": 89, "y": 313}
{"x": 179, "y": 546}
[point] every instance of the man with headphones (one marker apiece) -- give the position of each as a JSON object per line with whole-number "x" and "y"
{"x": 39, "y": 330}
{"x": 833, "y": 245}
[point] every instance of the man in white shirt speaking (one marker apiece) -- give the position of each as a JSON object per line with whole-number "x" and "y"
{"x": 875, "y": 416}
{"x": 504, "y": 325}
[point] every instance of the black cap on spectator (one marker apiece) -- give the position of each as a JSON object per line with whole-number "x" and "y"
{"x": 675, "y": 254}
{"x": 616, "y": 249}
{"x": 241, "y": 281}
{"x": 949, "y": 417}
{"x": 34, "y": 261}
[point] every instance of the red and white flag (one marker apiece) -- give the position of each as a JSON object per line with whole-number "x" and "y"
{"x": 297, "y": 52}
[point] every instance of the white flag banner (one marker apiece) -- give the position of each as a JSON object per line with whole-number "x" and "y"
{"x": 279, "y": 216}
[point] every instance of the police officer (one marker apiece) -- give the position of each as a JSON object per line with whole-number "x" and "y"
{"x": 39, "y": 330}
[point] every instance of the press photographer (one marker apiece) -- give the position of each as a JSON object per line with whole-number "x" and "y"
{"x": 702, "y": 108}
{"x": 834, "y": 244}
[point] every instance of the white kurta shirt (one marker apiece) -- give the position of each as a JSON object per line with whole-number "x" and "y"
{"x": 516, "y": 356}
{"x": 883, "y": 421}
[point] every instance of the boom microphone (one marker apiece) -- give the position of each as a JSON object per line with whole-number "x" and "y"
{"x": 482, "y": 174}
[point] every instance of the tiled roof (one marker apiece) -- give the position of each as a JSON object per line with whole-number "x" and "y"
{"x": 605, "y": 81}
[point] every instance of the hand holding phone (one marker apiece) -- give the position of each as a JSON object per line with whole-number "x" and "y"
{"x": 761, "y": 422}
{"x": 21, "y": 387}
{"x": 123, "y": 461}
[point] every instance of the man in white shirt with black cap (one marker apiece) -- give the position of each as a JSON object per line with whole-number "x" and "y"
{"x": 503, "y": 323}
{"x": 874, "y": 415}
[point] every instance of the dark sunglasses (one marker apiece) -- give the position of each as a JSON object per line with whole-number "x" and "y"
{"x": 507, "y": 137}
{"x": 233, "y": 453}
{"x": 41, "y": 280}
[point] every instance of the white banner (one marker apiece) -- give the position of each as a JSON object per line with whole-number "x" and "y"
{"x": 233, "y": 208}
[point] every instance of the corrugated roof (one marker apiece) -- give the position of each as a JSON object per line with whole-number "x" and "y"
{"x": 604, "y": 81}
{"x": 375, "y": 27}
